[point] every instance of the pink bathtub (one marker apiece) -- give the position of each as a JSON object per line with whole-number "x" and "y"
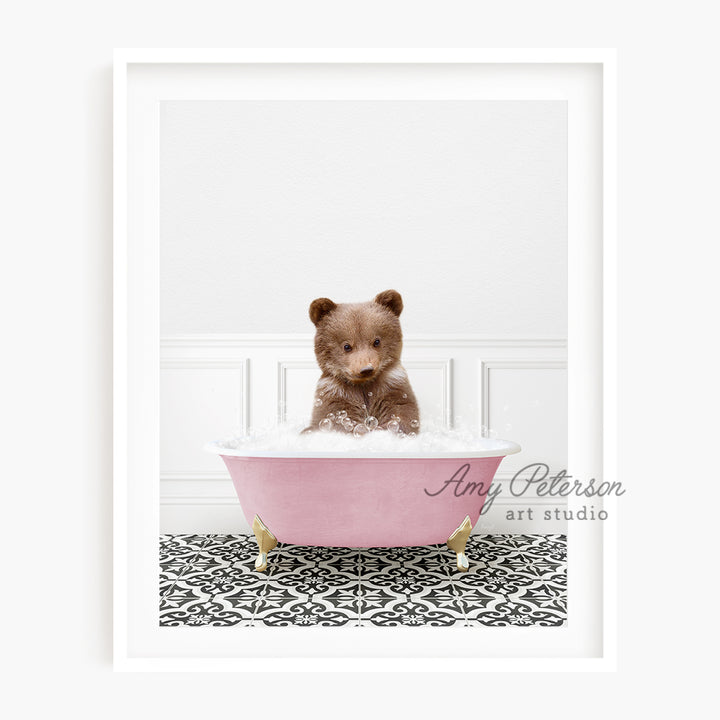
{"x": 337, "y": 500}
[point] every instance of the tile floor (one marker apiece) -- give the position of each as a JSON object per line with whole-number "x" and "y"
{"x": 512, "y": 580}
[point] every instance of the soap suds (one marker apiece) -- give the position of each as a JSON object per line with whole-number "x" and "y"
{"x": 286, "y": 439}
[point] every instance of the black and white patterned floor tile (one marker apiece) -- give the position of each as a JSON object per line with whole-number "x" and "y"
{"x": 512, "y": 580}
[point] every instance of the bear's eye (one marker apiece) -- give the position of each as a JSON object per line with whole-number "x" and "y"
{"x": 377, "y": 342}
{"x": 347, "y": 348}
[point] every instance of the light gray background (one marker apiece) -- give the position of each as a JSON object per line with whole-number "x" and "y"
{"x": 459, "y": 205}
{"x": 59, "y": 231}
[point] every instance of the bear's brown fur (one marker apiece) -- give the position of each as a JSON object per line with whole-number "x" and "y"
{"x": 358, "y": 348}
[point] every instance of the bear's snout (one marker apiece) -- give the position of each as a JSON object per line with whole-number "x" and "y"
{"x": 361, "y": 371}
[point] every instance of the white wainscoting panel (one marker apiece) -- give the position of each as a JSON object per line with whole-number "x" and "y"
{"x": 216, "y": 385}
{"x": 296, "y": 389}
{"x": 199, "y": 398}
{"x": 526, "y": 400}
{"x": 431, "y": 381}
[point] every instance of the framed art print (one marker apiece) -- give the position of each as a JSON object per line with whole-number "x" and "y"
{"x": 469, "y": 193}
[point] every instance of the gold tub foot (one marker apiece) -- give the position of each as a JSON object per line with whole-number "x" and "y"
{"x": 456, "y": 542}
{"x": 266, "y": 542}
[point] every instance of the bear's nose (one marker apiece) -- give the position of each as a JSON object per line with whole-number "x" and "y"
{"x": 367, "y": 370}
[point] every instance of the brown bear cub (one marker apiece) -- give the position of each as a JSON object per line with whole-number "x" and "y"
{"x": 363, "y": 385}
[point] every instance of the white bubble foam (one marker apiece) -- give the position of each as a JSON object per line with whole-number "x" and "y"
{"x": 286, "y": 439}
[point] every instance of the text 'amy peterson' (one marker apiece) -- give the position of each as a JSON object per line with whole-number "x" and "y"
{"x": 535, "y": 476}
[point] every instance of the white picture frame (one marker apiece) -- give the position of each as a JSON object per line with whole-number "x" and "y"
{"x": 142, "y": 78}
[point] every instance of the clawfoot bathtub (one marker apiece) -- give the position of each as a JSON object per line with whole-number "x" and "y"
{"x": 381, "y": 500}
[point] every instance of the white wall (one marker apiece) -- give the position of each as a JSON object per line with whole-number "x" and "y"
{"x": 266, "y": 205}
{"x": 57, "y": 369}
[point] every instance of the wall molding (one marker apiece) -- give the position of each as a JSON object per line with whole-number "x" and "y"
{"x": 194, "y": 476}
{"x": 446, "y": 369}
{"x": 196, "y": 494}
{"x": 507, "y": 364}
{"x": 282, "y": 369}
{"x": 487, "y": 365}
{"x": 204, "y": 363}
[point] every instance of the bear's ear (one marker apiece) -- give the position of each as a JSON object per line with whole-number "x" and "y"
{"x": 320, "y": 308}
{"x": 391, "y": 300}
